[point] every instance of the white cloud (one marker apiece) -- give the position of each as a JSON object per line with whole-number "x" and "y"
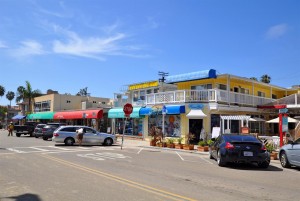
{"x": 93, "y": 47}
{"x": 2, "y": 44}
{"x": 28, "y": 48}
{"x": 276, "y": 31}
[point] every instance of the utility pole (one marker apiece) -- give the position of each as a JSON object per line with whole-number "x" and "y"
{"x": 162, "y": 79}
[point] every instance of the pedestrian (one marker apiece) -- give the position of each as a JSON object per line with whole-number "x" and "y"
{"x": 80, "y": 132}
{"x": 10, "y": 129}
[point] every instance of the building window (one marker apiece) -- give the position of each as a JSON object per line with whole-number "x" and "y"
{"x": 94, "y": 101}
{"x": 142, "y": 95}
{"x": 149, "y": 91}
{"x": 222, "y": 86}
{"x": 135, "y": 96}
{"x": 68, "y": 101}
{"x": 201, "y": 87}
{"x": 261, "y": 94}
{"x": 274, "y": 96}
{"x": 156, "y": 90}
{"x": 244, "y": 91}
{"x": 42, "y": 106}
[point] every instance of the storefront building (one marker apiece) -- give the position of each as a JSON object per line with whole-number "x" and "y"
{"x": 207, "y": 97}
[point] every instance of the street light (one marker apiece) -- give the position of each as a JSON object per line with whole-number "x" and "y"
{"x": 162, "y": 79}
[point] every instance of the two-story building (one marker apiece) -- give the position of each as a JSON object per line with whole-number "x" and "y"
{"x": 197, "y": 102}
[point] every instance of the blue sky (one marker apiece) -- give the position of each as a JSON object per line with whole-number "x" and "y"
{"x": 104, "y": 44}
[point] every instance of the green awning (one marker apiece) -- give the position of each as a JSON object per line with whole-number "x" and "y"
{"x": 118, "y": 113}
{"x": 41, "y": 115}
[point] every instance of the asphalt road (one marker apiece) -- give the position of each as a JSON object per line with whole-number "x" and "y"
{"x": 37, "y": 170}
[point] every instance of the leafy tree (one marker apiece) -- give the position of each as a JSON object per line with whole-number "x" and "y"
{"x": 27, "y": 93}
{"x": 265, "y": 78}
{"x": 253, "y": 78}
{"x": 83, "y": 92}
{"x": 10, "y": 95}
{"x": 2, "y": 91}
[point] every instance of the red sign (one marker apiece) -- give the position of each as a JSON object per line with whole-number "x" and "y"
{"x": 127, "y": 109}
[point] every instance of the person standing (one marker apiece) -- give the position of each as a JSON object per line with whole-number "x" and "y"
{"x": 80, "y": 133}
{"x": 10, "y": 129}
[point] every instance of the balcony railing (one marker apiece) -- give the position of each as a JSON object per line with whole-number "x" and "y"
{"x": 205, "y": 96}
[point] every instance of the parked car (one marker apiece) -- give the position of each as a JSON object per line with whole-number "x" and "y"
{"x": 49, "y": 129}
{"x": 289, "y": 154}
{"x": 239, "y": 148}
{"x": 26, "y": 129}
{"x": 67, "y": 135}
{"x": 38, "y": 130}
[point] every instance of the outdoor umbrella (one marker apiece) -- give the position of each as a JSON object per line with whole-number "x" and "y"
{"x": 276, "y": 120}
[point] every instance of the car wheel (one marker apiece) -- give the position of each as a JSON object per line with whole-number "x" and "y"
{"x": 108, "y": 142}
{"x": 284, "y": 160}
{"x": 18, "y": 135}
{"x": 264, "y": 164}
{"x": 220, "y": 159}
{"x": 69, "y": 141}
{"x": 45, "y": 138}
{"x": 210, "y": 154}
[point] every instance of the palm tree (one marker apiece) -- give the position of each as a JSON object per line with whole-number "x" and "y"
{"x": 2, "y": 91}
{"x": 10, "y": 95}
{"x": 27, "y": 93}
{"x": 265, "y": 78}
{"x": 83, "y": 92}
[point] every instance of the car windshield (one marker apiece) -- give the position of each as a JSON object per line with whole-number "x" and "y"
{"x": 240, "y": 138}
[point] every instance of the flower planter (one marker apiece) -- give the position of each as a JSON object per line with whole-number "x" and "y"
{"x": 152, "y": 143}
{"x": 274, "y": 155}
{"x": 204, "y": 148}
{"x": 171, "y": 146}
{"x": 178, "y": 146}
{"x": 188, "y": 147}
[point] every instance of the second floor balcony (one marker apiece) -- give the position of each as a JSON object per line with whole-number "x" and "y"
{"x": 204, "y": 96}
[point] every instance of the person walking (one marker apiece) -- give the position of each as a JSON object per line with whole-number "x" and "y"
{"x": 10, "y": 129}
{"x": 80, "y": 132}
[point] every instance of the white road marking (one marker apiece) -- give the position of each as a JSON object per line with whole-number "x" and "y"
{"x": 38, "y": 149}
{"x": 103, "y": 156}
{"x": 140, "y": 150}
{"x": 179, "y": 156}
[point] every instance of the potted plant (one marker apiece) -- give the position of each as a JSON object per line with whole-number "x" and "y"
{"x": 189, "y": 137}
{"x": 271, "y": 149}
{"x": 179, "y": 143}
{"x": 153, "y": 141}
{"x": 170, "y": 143}
{"x": 202, "y": 146}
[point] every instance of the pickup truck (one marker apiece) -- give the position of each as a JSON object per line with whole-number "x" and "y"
{"x": 26, "y": 129}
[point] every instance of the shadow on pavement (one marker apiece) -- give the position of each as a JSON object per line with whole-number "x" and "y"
{"x": 26, "y": 197}
{"x": 249, "y": 166}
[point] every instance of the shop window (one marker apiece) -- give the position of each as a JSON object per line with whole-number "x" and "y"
{"x": 172, "y": 125}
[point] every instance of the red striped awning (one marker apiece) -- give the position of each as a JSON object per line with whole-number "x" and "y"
{"x": 81, "y": 114}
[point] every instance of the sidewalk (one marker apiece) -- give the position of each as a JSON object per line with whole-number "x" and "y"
{"x": 146, "y": 144}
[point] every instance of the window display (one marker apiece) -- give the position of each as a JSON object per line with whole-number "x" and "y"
{"x": 172, "y": 124}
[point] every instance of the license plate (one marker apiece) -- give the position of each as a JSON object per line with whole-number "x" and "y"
{"x": 248, "y": 153}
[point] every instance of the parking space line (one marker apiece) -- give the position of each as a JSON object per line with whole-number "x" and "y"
{"x": 38, "y": 149}
{"x": 140, "y": 150}
{"x": 179, "y": 156}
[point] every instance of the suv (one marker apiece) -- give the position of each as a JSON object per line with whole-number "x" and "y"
{"x": 49, "y": 128}
{"x": 67, "y": 135}
{"x": 38, "y": 130}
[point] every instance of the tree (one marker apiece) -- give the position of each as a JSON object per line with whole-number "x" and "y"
{"x": 265, "y": 78}
{"x": 10, "y": 95}
{"x": 2, "y": 91}
{"x": 253, "y": 78}
{"x": 83, "y": 92}
{"x": 27, "y": 93}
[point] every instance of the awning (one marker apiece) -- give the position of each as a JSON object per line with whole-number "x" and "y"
{"x": 118, "y": 113}
{"x": 40, "y": 115}
{"x": 17, "y": 117}
{"x": 257, "y": 119}
{"x": 196, "y": 114}
{"x": 276, "y": 120}
{"x": 236, "y": 117}
{"x": 81, "y": 114}
{"x": 175, "y": 109}
{"x": 145, "y": 111}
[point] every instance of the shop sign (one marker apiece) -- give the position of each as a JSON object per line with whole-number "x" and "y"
{"x": 196, "y": 106}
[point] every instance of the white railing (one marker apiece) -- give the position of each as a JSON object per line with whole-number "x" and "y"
{"x": 297, "y": 131}
{"x": 210, "y": 95}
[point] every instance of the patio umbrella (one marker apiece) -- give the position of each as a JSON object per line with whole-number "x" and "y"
{"x": 276, "y": 120}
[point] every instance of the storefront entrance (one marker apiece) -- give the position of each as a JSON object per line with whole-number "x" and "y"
{"x": 195, "y": 127}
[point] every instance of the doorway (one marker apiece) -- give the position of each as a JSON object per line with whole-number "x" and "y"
{"x": 195, "y": 127}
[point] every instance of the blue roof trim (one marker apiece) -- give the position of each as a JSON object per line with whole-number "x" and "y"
{"x": 145, "y": 111}
{"x": 175, "y": 109}
{"x": 192, "y": 76}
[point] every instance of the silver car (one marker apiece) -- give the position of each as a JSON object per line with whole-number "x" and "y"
{"x": 67, "y": 135}
{"x": 289, "y": 154}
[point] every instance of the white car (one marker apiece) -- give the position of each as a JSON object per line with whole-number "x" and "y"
{"x": 68, "y": 136}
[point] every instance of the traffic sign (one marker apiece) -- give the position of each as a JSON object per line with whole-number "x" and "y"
{"x": 283, "y": 111}
{"x": 127, "y": 109}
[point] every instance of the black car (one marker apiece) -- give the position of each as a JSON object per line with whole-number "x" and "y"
{"x": 239, "y": 148}
{"x": 49, "y": 129}
{"x": 38, "y": 130}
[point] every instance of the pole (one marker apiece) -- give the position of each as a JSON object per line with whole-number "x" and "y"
{"x": 124, "y": 127}
{"x": 280, "y": 129}
{"x": 163, "y": 126}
